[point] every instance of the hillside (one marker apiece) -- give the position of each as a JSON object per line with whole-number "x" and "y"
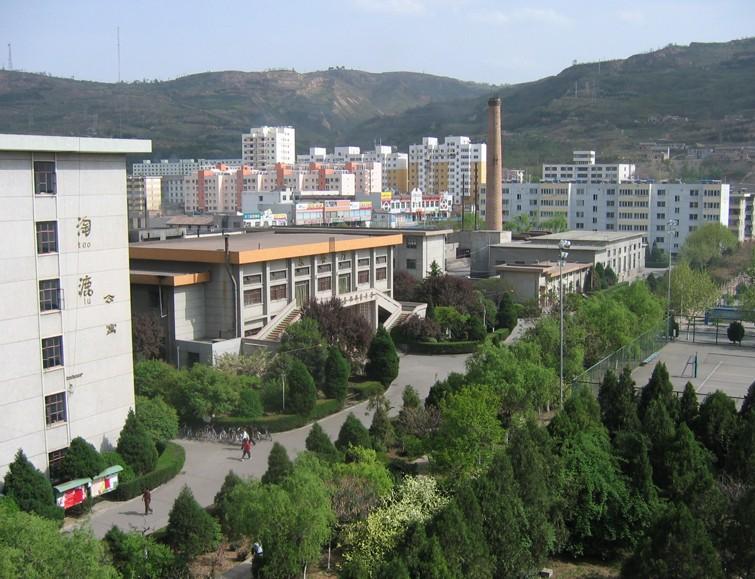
{"x": 702, "y": 93}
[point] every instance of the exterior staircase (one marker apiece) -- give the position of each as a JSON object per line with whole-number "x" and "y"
{"x": 274, "y": 330}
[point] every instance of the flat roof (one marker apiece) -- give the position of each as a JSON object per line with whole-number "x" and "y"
{"x": 550, "y": 268}
{"x": 591, "y": 236}
{"x": 49, "y": 143}
{"x": 368, "y": 230}
{"x": 256, "y": 246}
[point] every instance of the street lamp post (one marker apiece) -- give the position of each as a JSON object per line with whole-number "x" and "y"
{"x": 563, "y": 245}
{"x": 671, "y": 224}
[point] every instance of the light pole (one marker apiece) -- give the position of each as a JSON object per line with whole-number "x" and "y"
{"x": 563, "y": 245}
{"x": 670, "y": 224}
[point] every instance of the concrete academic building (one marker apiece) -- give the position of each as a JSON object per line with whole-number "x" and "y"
{"x": 65, "y": 312}
{"x": 227, "y": 293}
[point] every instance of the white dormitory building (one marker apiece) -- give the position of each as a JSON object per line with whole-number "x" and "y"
{"x": 583, "y": 169}
{"x": 65, "y": 308}
{"x": 180, "y": 168}
{"x": 456, "y": 166}
{"x": 264, "y": 147}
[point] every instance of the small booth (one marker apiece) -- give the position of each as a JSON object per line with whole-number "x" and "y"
{"x": 106, "y": 481}
{"x": 72, "y": 493}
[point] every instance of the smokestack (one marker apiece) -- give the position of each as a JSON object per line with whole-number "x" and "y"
{"x": 494, "y": 175}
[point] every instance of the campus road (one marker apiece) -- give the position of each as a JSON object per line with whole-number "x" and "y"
{"x": 207, "y": 463}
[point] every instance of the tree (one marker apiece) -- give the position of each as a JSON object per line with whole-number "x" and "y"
{"x": 707, "y": 244}
{"x": 611, "y": 277}
{"x": 735, "y": 332}
{"x": 30, "y": 489}
{"x": 341, "y": 326}
{"x": 677, "y": 546}
{"x": 404, "y": 286}
{"x": 470, "y": 432}
{"x": 617, "y": 404}
{"x": 660, "y": 430}
{"x": 381, "y": 430}
{"x": 382, "y": 359}
{"x": 740, "y": 461}
{"x": 302, "y": 393}
{"x": 255, "y": 364}
{"x": 81, "y": 460}
{"x": 136, "y": 446}
{"x": 31, "y": 546}
{"x": 222, "y": 501}
{"x": 423, "y": 555}
{"x": 359, "y": 486}
{"x": 452, "y": 322}
{"x": 410, "y": 398}
{"x": 250, "y": 403}
{"x": 555, "y": 224}
{"x": 521, "y": 223}
{"x": 692, "y": 291}
{"x": 658, "y": 387}
{"x": 154, "y": 377}
{"x": 748, "y": 404}
{"x": 632, "y": 449}
{"x": 158, "y": 417}
{"x": 717, "y": 424}
{"x": 352, "y": 433}
{"x": 507, "y": 312}
{"x": 191, "y": 530}
{"x": 148, "y": 335}
{"x": 320, "y": 443}
{"x": 336, "y": 375}
{"x": 205, "y": 392}
{"x": 688, "y": 406}
{"x": 739, "y": 536}
{"x": 137, "y": 555}
{"x": 305, "y": 343}
{"x": 279, "y": 466}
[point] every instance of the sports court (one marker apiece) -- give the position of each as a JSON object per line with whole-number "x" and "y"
{"x": 724, "y": 367}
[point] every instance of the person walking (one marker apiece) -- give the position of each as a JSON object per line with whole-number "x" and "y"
{"x": 257, "y": 559}
{"x": 246, "y": 449}
{"x": 147, "y": 498}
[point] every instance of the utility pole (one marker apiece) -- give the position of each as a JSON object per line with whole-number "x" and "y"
{"x": 118, "y": 41}
{"x": 10, "y": 57}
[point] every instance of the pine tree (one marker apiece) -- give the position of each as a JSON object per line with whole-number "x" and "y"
{"x": 660, "y": 430}
{"x": 659, "y": 386}
{"x": 748, "y": 403}
{"x": 617, "y": 404}
{"x": 352, "y": 433}
{"x": 136, "y": 446}
{"x": 337, "y": 370}
{"x": 717, "y": 424}
{"x": 506, "y": 316}
{"x": 381, "y": 430}
{"x": 191, "y": 530}
{"x": 410, "y": 398}
{"x": 740, "y": 460}
{"x": 279, "y": 466}
{"x": 222, "y": 503}
{"x": 320, "y": 443}
{"x": 30, "y": 489}
{"x": 689, "y": 409}
{"x": 81, "y": 461}
{"x": 302, "y": 392}
{"x": 382, "y": 359}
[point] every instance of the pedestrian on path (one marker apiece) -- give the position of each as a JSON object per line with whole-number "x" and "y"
{"x": 246, "y": 449}
{"x": 257, "y": 559}
{"x": 147, "y": 498}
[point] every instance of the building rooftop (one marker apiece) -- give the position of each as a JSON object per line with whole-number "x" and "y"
{"x": 256, "y": 246}
{"x": 590, "y": 236}
{"x": 45, "y": 143}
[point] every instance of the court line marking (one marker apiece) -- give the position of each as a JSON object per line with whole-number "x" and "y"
{"x": 708, "y": 378}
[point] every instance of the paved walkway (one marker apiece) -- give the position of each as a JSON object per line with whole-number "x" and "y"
{"x": 207, "y": 463}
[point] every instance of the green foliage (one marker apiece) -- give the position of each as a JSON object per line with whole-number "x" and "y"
{"x": 136, "y": 446}
{"x": 250, "y": 403}
{"x": 581, "y": 413}
{"x": 740, "y": 460}
{"x": 442, "y": 348}
{"x": 677, "y": 546}
{"x": 470, "y": 432}
{"x": 352, "y": 433}
{"x": 320, "y": 443}
{"x": 546, "y": 334}
{"x": 452, "y": 322}
{"x": 660, "y": 430}
{"x": 748, "y": 404}
{"x": 342, "y": 327}
{"x": 423, "y": 555}
{"x": 169, "y": 464}
{"x": 306, "y": 344}
{"x": 689, "y": 409}
{"x": 382, "y": 359}
{"x": 279, "y": 466}
{"x": 32, "y": 546}
{"x": 282, "y": 422}
{"x": 191, "y": 530}
{"x": 506, "y": 316}
{"x": 135, "y": 555}
{"x": 735, "y": 332}
{"x": 739, "y": 544}
{"x": 30, "y": 489}
{"x": 223, "y": 505}
{"x": 81, "y": 460}
{"x": 367, "y": 389}
{"x": 158, "y": 417}
{"x": 205, "y": 392}
{"x": 659, "y": 388}
{"x": 617, "y": 404}
{"x": 357, "y": 487}
{"x": 692, "y": 291}
{"x": 717, "y": 424}
{"x": 155, "y": 378}
{"x": 336, "y": 375}
{"x": 381, "y": 430}
{"x": 632, "y": 449}
{"x": 112, "y": 458}
{"x": 410, "y": 397}
{"x": 705, "y": 246}
{"x": 302, "y": 393}
{"x": 255, "y": 364}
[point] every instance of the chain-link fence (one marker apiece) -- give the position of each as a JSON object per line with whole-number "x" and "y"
{"x": 642, "y": 349}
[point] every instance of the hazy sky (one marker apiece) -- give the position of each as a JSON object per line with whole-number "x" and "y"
{"x": 483, "y": 40}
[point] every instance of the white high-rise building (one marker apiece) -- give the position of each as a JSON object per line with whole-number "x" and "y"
{"x": 263, "y": 147}
{"x": 583, "y": 169}
{"x": 180, "y": 168}
{"x": 65, "y": 310}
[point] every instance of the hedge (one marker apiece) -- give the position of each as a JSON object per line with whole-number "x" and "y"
{"x": 439, "y": 348}
{"x": 367, "y": 388}
{"x": 282, "y": 422}
{"x": 169, "y": 464}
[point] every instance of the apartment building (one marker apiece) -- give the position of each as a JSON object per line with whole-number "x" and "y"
{"x": 180, "y": 168}
{"x": 583, "y": 169}
{"x": 456, "y": 166}
{"x": 264, "y": 147}
{"x": 216, "y": 190}
{"x": 143, "y": 198}
{"x": 741, "y": 214}
{"x": 65, "y": 310}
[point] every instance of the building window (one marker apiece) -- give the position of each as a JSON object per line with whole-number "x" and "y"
{"x": 253, "y": 279}
{"x": 344, "y": 283}
{"x": 278, "y": 275}
{"x": 344, "y": 264}
{"x": 55, "y": 408}
{"x": 364, "y": 262}
{"x": 381, "y": 259}
{"x": 49, "y": 295}
{"x": 381, "y": 273}
{"x": 52, "y": 352}
{"x": 47, "y": 236}
{"x": 253, "y": 296}
{"x": 363, "y": 276}
{"x": 54, "y": 459}
{"x": 411, "y": 242}
{"x": 324, "y": 268}
{"x": 278, "y": 292}
{"x": 411, "y": 264}
{"x": 44, "y": 177}
{"x": 324, "y": 284}
{"x": 301, "y": 271}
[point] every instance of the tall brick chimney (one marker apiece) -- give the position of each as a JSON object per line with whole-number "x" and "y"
{"x": 494, "y": 174}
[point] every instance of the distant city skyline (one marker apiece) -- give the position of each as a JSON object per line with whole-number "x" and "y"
{"x": 496, "y": 42}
